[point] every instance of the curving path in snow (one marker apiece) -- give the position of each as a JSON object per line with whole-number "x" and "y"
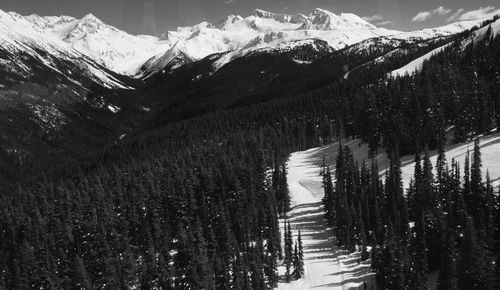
{"x": 326, "y": 265}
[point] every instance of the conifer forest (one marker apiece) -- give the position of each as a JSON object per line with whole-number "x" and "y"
{"x": 183, "y": 182}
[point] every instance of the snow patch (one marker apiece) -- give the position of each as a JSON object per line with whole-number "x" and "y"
{"x": 417, "y": 64}
{"x": 114, "y": 109}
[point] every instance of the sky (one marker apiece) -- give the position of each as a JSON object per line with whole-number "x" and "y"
{"x": 156, "y": 17}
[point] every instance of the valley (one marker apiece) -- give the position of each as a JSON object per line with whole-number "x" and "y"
{"x": 175, "y": 161}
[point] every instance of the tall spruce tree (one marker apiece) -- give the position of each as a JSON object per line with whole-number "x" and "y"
{"x": 296, "y": 263}
{"x": 288, "y": 252}
{"x": 477, "y": 200}
{"x": 448, "y": 273}
{"x": 300, "y": 255}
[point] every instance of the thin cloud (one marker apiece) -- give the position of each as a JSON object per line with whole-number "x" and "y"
{"x": 456, "y": 15}
{"x": 385, "y": 23}
{"x": 378, "y": 20}
{"x": 374, "y": 18}
{"x": 478, "y": 14}
{"x": 230, "y": 1}
{"x": 424, "y": 15}
{"x": 442, "y": 11}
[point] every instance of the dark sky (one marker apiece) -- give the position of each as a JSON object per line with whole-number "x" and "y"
{"x": 158, "y": 16}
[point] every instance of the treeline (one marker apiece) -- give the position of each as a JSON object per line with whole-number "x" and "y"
{"x": 447, "y": 223}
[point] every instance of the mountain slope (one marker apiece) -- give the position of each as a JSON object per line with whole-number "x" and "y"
{"x": 239, "y": 36}
{"x": 417, "y": 64}
{"x": 234, "y": 36}
{"x": 55, "y": 100}
{"x": 107, "y": 45}
{"x": 21, "y": 37}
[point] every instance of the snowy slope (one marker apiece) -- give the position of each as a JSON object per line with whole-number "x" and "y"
{"x": 326, "y": 265}
{"x": 417, "y": 64}
{"x": 479, "y": 34}
{"x": 441, "y": 31}
{"x": 115, "y": 49}
{"x": 233, "y": 37}
{"x": 237, "y": 36}
{"x": 19, "y": 36}
{"x": 490, "y": 151}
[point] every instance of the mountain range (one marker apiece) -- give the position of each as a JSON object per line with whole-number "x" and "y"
{"x": 235, "y": 36}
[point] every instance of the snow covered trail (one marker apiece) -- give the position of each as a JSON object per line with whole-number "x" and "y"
{"x": 326, "y": 265}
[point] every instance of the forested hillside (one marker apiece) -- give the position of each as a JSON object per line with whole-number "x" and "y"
{"x": 192, "y": 202}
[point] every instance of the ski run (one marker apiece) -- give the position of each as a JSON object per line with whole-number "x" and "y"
{"x": 328, "y": 266}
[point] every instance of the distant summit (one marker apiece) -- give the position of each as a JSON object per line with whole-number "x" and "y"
{"x": 232, "y": 37}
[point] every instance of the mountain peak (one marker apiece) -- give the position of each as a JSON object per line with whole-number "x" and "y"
{"x": 322, "y": 19}
{"x": 283, "y": 18}
{"x": 91, "y": 18}
{"x": 321, "y": 11}
{"x": 228, "y": 21}
{"x": 49, "y": 22}
{"x": 262, "y": 13}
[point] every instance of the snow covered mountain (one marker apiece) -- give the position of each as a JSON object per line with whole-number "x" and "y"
{"x": 48, "y": 88}
{"x": 417, "y": 64}
{"x": 111, "y": 47}
{"x": 26, "y": 46}
{"x": 236, "y": 36}
{"x": 233, "y": 37}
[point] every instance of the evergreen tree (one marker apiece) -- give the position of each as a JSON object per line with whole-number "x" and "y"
{"x": 300, "y": 256}
{"x": 288, "y": 261}
{"x": 296, "y": 263}
{"x": 448, "y": 278}
{"x": 477, "y": 200}
{"x": 469, "y": 267}
{"x": 418, "y": 267}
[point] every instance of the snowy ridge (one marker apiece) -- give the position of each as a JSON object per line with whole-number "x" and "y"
{"x": 237, "y": 36}
{"x": 481, "y": 33}
{"x": 441, "y": 31}
{"x": 233, "y": 37}
{"x": 19, "y": 35}
{"x": 113, "y": 48}
{"x": 417, "y": 64}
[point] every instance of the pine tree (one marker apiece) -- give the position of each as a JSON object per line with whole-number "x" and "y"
{"x": 477, "y": 201}
{"x": 448, "y": 272}
{"x": 418, "y": 267}
{"x": 469, "y": 267}
{"x": 329, "y": 198}
{"x": 467, "y": 182}
{"x": 296, "y": 263}
{"x": 441, "y": 171}
{"x": 288, "y": 252}
{"x": 300, "y": 255}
